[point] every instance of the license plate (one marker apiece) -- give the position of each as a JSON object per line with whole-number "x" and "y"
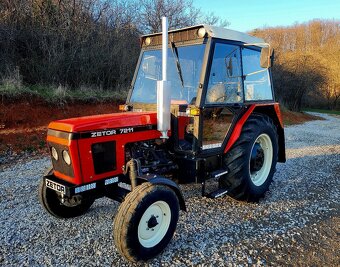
{"x": 55, "y": 186}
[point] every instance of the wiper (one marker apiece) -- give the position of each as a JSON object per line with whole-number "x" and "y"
{"x": 178, "y": 65}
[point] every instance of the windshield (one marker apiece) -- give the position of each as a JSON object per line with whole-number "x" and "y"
{"x": 150, "y": 70}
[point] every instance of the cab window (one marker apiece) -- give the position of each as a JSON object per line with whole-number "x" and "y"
{"x": 225, "y": 79}
{"x": 256, "y": 79}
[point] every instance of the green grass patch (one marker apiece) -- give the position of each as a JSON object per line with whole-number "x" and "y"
{"x": 327, "y": 111}
{"x": 60, "y": 94}
{"x": 84, "y": 94}
{"x": 12, "y": 90}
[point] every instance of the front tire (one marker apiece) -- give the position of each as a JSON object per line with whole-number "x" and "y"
{"x": 51, "y": 202}
{"x": 252, "y": 160}
{"x": 146, "y": 221}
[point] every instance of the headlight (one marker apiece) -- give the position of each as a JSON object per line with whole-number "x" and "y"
{"x": 54, "y": 153}
{"x": 147, "y": 41}
{"x": 66, "y": 157}
{"x": 201, "y": 32}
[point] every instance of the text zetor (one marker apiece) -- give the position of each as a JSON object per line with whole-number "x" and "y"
{"x": 201, "y": 106}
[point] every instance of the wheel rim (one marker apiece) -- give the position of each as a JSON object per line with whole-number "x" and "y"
{"x": 154, "y": 224}
{"x": 260, "y": 159}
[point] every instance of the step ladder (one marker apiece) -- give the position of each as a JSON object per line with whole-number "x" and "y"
{"x": 219, "y": 192}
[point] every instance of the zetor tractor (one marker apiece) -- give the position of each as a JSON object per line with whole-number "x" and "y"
{"x": 201, "y": 106}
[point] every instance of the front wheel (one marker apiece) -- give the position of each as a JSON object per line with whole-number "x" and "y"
{"x": 251, "y": 160}
{"x": 146, "y": 221}
{"x": 52, "y": 202}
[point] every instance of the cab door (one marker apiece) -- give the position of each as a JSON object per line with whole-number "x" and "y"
{"x": 224, "y": 94}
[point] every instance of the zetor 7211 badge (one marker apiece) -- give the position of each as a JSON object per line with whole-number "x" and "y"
{"x": 112, "y": 132}
{"x": 210, "y": 114}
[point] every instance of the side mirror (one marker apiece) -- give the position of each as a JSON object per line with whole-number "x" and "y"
{"x": 267, "y": 57}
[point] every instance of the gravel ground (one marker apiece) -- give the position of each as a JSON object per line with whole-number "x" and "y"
{"x": 296, "y": 224}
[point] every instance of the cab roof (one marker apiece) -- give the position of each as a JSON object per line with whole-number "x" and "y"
{"x": 216, "y": 32}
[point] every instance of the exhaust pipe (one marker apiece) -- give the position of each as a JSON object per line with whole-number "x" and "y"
{"x": 163, "y": 87}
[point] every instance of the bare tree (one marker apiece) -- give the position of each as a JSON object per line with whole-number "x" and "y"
{"x": 211, "y": 19}
{"x": 83, "y": 42}
{"x": 180, "y": 13}
{"x": 295, "y": 76}
{"x": 307, "y": 62}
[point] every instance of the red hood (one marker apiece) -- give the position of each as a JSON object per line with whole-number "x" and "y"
{"x": 105, "y": 121}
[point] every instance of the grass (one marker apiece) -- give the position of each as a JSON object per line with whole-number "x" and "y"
{"x": 84, "y": 94}
{"x": 13, "y": 89}
{"x": 336, "y": 112}
{"x": 10, "y": 89}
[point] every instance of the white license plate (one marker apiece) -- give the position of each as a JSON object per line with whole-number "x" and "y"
{"x": 55, "y": 186}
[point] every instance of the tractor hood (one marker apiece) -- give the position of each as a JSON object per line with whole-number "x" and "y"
{"x": 105, "y": 121}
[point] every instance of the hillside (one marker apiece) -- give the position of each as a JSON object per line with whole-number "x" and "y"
{"x": 307, "y": 68}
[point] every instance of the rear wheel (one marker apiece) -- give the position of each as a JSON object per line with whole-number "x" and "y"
{"x": 252, "y": 160}
{"x": 52, "y": 202}
{"x": 146, "y": 221}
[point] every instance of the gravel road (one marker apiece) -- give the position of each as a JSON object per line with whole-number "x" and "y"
{"x": 296, "y": 224}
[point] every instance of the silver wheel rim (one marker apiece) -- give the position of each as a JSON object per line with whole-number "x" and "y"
{"x": 259, "y": 177}
{"x": 151, "y": 232}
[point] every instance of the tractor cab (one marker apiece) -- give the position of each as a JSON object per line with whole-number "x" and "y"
{"x": 215, "y": 75}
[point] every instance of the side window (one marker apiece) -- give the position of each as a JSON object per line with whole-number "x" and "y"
{"x": 225, "y": 81}
{"x": 257, "y": 81}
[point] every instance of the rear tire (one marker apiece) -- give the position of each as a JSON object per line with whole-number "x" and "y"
{"x": 252, "y": 159}
{"x": 50, "y": 200}
{"x": 146, "y": 221}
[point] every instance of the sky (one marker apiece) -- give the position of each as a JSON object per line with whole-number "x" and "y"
{"x": 245, "y": 15}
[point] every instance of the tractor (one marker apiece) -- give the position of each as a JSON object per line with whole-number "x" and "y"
{"x": 201, "y": 106}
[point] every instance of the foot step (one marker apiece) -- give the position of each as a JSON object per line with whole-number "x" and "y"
{"x": 218, "y": 193}
{"x": 218, "y": 173}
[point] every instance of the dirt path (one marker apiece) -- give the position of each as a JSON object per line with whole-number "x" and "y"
{"x": 296, "y": 224}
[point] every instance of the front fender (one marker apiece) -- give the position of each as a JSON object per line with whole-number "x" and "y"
{"x": 160, "y": 180}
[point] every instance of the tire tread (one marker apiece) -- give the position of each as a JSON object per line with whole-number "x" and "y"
{"x": 126, "y": 212}
{"x": 236, "y": 162}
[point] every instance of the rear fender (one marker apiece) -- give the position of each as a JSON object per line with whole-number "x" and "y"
{"x": 159, "y": 180}
{"x": 273, "y": 111}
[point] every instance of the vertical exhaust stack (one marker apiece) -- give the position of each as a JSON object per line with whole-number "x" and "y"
{"x": 163, "y": 87}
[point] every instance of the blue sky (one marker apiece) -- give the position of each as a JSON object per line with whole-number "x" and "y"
{"x": 247, "y": 15}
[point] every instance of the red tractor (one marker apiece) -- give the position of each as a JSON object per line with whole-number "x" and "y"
{"x": 201, "y": 106}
